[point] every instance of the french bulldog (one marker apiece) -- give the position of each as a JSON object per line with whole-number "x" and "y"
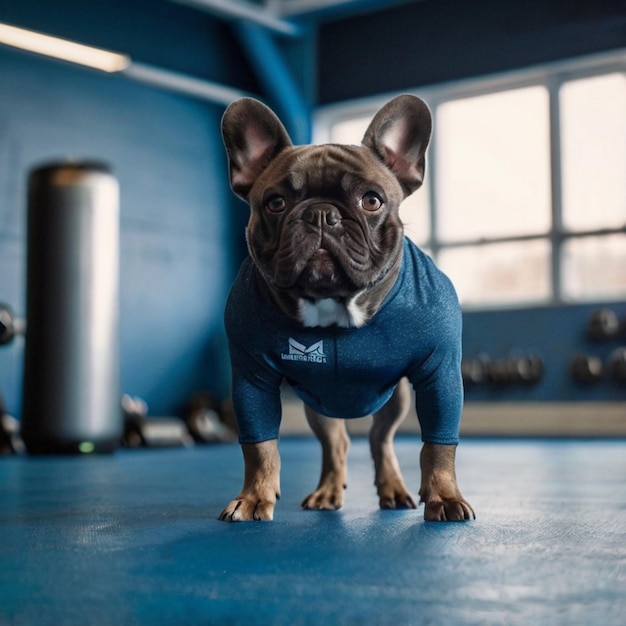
{"x": 337, "y": 302}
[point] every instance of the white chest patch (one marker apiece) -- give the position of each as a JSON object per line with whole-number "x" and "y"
{"x": 328, "y": 311}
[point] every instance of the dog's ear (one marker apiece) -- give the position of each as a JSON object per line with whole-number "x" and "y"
{"x": 253, "y": 136}
{"x": 399, "y": 135}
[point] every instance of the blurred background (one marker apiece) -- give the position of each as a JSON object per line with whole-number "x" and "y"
{"x": 524, "y": 204}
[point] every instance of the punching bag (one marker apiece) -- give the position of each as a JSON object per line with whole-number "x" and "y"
{"x": 71, "y": 395}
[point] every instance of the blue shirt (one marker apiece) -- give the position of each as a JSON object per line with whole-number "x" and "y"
{"x": 349, "y": 372}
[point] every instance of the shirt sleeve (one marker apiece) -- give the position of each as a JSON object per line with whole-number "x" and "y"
{"x": 256, "y": 398}
{"x": 437, "y": 381}
{"x": 439, "y": 401}
{"x": 255, "y": 384}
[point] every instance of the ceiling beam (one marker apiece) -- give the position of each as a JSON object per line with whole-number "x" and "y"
{"x": 184, "y": 84}
{"x": 242, "y": 10}
{"x": 324, "y": 8}
{"x": 276, "y": 79}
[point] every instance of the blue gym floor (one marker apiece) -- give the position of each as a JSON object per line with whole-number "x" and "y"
{"x": 133, "y": 538}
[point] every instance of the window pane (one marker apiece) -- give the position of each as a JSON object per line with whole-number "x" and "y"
{"x": 593, "y": 139}
{"x": 594, "y": 267}
{"x": 349, "y": 131}
{"x": 414, "y": 211}
{"x": 493, "y": 165}
{"x": 415, "y": 214}
{"x": 500, "y": 273}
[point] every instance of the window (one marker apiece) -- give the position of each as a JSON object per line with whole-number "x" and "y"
{"x": 594, "y": 267}
{"x": 493, "y": 181}
{"x": 493, "y": 165}
{"x": 525, "y": 195}
{"x": 496, "y": 273}
{"x": 593, "y": 141}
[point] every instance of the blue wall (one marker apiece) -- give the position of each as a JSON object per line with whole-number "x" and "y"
{"x": 176, "y": 255}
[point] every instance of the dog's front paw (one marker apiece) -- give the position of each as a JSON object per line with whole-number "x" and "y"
{"x": 249, "y": 508}
{"x": 261, "y": 486}
{"x": 439, "y": 492}
{"x": 443, "y": 501}
{"x": 448, "y": 510}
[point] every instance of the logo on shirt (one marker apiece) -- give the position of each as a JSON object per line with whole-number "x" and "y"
{"x": 299, "y": 352}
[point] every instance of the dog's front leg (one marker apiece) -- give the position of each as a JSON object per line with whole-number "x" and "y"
{"x": 439, "y": 490}
{"x": 261, "y": 486}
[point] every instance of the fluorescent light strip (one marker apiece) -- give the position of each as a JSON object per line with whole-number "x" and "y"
{"x": 106, "y": 61}
{"x": 63, "y": 49}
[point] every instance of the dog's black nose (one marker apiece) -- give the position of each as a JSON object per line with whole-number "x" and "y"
{"x": 319, "y": 215}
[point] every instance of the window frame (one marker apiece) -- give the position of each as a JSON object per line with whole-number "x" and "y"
{"x": 551, "y": 76}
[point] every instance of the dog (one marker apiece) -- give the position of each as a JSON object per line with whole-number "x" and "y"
{"x": 337, "y": 302}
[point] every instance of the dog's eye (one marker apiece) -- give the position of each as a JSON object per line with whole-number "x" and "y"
{"x": 275, "y": 204}
{"x": 371, "y": 201}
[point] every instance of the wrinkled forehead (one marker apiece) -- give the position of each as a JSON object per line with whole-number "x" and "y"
{"x": 316, "y": 169}
{"x": 331, "y": 164}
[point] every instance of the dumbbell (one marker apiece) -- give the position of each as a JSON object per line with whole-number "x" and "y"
{"x": 10, "y": 325}
{"x": 512, "y": 370}
{"x": 498, "y": 372}
{"x": 525, "y": 369}
{"x": 476, "y": 371}
{"x": 585, "y": 368}
{"x": 151, "y": 432}
{"x": 10, "y": 440}
{"x": 603, "y": 325}
{"x": 204, "y": 420}
{"x": 617, "y": 364}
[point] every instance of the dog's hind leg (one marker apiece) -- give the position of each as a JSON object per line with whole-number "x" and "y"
{"x": 335, "y": 442}
{"x": 392, "y": 491}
